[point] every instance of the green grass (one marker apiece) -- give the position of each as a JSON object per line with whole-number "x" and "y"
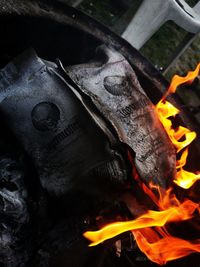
{"x": 161, "y": 46}
{"x": 188, "y": 61}
{"x": 104, "y": 11}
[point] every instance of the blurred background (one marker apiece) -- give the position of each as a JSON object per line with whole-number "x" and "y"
{"x": 163, "y": 46}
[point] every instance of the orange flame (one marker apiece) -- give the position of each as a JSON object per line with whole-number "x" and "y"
{"x": 150, "y": 219}
{"x": 166, "y": 110}
{"x": 166, "y": 249}
{"x": 178, "y": 80}
{"x": 149, "y": 229}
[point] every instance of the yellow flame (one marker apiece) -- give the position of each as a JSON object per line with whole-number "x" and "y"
{"x": 165, "y": 110}
{"x": 178, "y": 80}
{"x": 182, "y": 161}
{"x": 180, "y": 137}
{"x": 186, "y": 179}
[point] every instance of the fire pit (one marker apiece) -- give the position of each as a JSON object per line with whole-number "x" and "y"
{"x": 47, "y": 224}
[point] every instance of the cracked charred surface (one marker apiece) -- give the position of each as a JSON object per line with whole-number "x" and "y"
{"x": 114, "y": 88}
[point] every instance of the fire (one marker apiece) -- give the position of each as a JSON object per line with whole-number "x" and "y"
{"x": 149, "y": 229}
{"x": 166, "y": 249}
{"x": 178, "y": 80}
{"x": 150, "y": 219}
{"x": 184, "y": 178}
{"x": 165, "y": 110}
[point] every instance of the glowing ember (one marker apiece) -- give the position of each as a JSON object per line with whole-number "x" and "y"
{"x": 149, "y": 230}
